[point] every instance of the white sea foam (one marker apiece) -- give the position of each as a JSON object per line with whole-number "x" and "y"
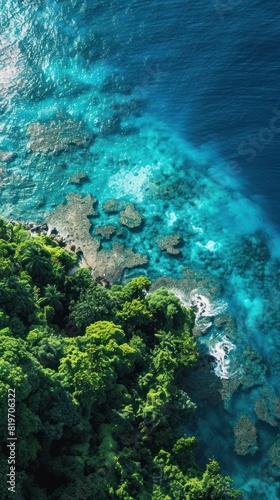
{"x": 204, "y": 306}
{"x": 220, "y": 350}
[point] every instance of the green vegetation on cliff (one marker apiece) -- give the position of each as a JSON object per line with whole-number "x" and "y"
{"x": 97, "y": 374}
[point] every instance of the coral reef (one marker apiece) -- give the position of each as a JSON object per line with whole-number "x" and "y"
{"x": 169, "y": 190}
{"x": 106, "y": 232}
{"x": 176, "y": 187}
{"x": 252, "y": 374}
{"x": 78, "y": 178}
{"x": 3, "y": 173}
{"x": 7, "y": 156}
{"x": 267, "y": 406}
{"x": 113, "y": 206}
{"x": 169, "y": 243}
{"x": 192, "y": 280}
{"x": 253, "y": 369}
{"x": 246, "y": 437}
{"x": 57, "y": 135}
{"x": 229, "y": 387}
{"x": 130, "y": 217}
{"x": 274, "y": 452}
{"x": 225, "y": 322}
{"x": 252, "y": 252}
{"x": 72, "y": 222}
{"x": 111, "y": 263}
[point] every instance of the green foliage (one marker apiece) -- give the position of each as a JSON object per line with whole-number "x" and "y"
{"x": 97, "y": 374}
{"x": 35, "y": 259}
{"x": 137, "y": 288}
{"x": 46, "y": 346}
{"x": 168, "y": 310}
{"x": 52, "y": 297}
{"x": 92, "y": 304}
{"x": 135, "y": 313}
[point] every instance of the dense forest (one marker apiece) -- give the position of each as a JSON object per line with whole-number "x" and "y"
{"x": 97, "y": 372}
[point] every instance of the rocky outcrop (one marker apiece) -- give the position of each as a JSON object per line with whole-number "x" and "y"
{"x": 274, "y": 452}
{"x": 73, "y": 224}
{"x": 7, "y": 156}
{"x": 111, "y": 263}
{"x": 267, "y": 407}
{"x": 113, "y": 206}
{"x": 169, "y": 244}
{"x": 130, "y": 217}
{"x": 57, "y": 135}
{"x": 246, "y": 437}
{"x": 106, "y": 232}
{"x": 78, "y": 178}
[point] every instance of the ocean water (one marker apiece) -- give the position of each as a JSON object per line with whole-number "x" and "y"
{"x": 173, "y": 106}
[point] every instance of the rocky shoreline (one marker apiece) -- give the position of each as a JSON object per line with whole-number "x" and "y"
{"x": 215, "y": 331}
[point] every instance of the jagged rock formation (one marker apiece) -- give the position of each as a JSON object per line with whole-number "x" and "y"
{"x": 246, "y": 437}
{"x": 113, "y": 206}
{"x": 130, "y": 217}
{"x": 72, "y": 222}
{"x": 106, "y": 232}
{"x": 57, "y": 135}
{"x": 78, "y": 178}
{"x": 169, "y": 243}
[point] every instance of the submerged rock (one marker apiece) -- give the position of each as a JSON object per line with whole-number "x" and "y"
{"x": 41, "y": 201}
{"x": 246, "y": 437}
{"x": 78, "y": 178}
{"x": 57, "y": 135}
{"x": 274, "y": 452}
{"x": 253, "y": 369}
{"x": 229, "y": 387}
{"x": 267, "y": 407}
{"x": 225, "y": 322}
{"x": 169, "y": 243}
{"x": 130, "y": 217}
{"x": 3, "y": 173}
{"x": 106, "y": 232}
{"x": 168, "y": 190}
{"x": 113, "y": 206}
{"x": 7, "y": 156}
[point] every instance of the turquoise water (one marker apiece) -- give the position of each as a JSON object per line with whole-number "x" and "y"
{"x": 98, "y": 79}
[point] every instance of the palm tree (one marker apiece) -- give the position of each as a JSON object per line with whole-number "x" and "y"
{"x": 34, "y": 261}
{"x": 52, "y": 298}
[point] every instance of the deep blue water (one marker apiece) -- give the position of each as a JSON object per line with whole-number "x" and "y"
{"x": 183, "y": 101}
{"x": 212, "y": 71}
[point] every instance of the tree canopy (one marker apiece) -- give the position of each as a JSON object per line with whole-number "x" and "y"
{"x": 98, "y": 378}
